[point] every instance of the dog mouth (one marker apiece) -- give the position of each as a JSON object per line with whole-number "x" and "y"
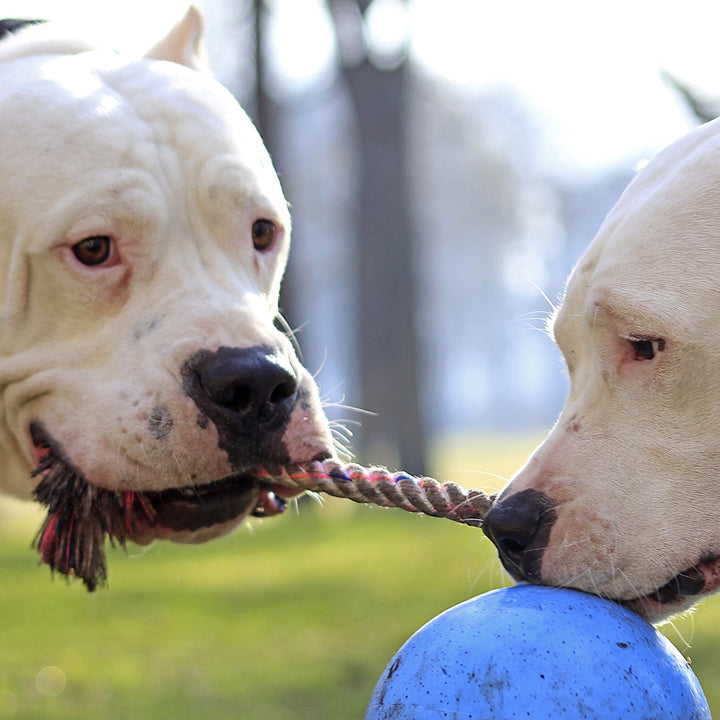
{"x": 679, "y": 592}
{"x": 80, "y": 515}
{"x": 191, "y": 509}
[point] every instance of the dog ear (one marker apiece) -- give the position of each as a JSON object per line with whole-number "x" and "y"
{"x": 185, "y": 43}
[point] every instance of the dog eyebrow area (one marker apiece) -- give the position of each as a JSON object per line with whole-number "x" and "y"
{"x": 358, "y": 359}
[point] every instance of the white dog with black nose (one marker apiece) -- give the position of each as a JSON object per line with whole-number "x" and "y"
{"x": 143, "y": 237}
{"x": 623, "y": 497}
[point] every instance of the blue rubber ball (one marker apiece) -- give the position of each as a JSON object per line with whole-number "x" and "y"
{"x": 538, "y": 652}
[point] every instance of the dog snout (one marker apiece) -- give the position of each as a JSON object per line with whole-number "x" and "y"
{"x": 248, "y": 393}
{"x": 520, "y": 526}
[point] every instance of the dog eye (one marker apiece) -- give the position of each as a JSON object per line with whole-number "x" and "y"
{"x": 94, "y": 250}
{"x": 263, "y": 235}
{"x": 646, "y": 348}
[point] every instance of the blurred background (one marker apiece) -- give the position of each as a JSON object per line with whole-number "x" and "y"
{"x": 447, "y": 162}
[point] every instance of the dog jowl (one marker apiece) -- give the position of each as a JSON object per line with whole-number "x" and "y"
{"x": 144, "y": 235}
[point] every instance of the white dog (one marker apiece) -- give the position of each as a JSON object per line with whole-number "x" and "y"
{"x": 622, "y": 499}
{"x": 143, "y": 236}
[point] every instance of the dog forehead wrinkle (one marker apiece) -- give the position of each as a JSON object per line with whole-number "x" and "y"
{"x": 196, "y": 113}
{"x": 184, "y": 108}
{"x": 231, "y": 179}
{"x": 117, "y": 161}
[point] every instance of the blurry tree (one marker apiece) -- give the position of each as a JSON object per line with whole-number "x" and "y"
{"x": 263, "y": 110}
{"x": 375, "y": 73}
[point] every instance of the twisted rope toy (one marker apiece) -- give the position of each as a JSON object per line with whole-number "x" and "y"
{"x": 379, "y": 486}
{"x": 71, "y": 539}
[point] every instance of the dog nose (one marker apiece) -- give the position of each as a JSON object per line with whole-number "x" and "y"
{"x": 248, "y": 393}
{"x": 520, "y": 529}
{"x": 255, "y": 385}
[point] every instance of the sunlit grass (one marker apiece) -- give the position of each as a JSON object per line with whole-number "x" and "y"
{"x": 294, "y": 618}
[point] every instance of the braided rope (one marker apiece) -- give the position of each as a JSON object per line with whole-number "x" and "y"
{"x": 381, "y": 487}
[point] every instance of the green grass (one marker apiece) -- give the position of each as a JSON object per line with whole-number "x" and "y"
{"x": 294, "y": 618}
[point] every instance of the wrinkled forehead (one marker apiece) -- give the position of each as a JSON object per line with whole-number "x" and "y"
{"x": 98, "y": 110}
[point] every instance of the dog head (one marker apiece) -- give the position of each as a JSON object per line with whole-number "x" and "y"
{"x": 144, "y": 235}
{"x": 623, "y": 497}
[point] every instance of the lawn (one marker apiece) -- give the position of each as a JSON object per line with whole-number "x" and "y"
{"x": 294, "y": 617}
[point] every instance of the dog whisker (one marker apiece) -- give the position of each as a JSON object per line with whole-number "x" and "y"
{"x": 632, "y": 588}
{"x": 352, "y": 408}
{"x": 317, "y": 372}
{"x": 577, "y": 580}
{"x": 341, "y": 427}
{"x": 290, "y": 333}
{"x": 342, "y": 452}
{"x": 344, "y": 426}
{"x": 553, "y": 306}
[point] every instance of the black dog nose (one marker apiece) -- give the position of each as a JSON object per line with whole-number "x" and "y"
{"x": 248, "y": 393}
{"x": 252, "y": 383}
{"x": 520, "y": 528}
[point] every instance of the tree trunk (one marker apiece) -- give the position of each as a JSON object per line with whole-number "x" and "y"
{"x": 387, "y": 302}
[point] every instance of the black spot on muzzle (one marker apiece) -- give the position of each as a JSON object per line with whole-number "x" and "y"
{"x": 160, "y": 422}
{"x": 520, "y": 528}
{"x": 248, "y": 394}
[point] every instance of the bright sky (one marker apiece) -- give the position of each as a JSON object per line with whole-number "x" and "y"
{"x": 589, "y": 71}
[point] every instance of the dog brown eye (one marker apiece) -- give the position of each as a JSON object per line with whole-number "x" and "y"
{"x": 647, "y": 348}
{"x": 94, "y": 250}
{"x": 263, "y": 234}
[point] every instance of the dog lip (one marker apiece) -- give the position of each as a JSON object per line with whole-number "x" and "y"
{"x": 690, "y": 582}
{"x": 42, "y": 445}
{"x": 697, "y": 580}
{"x": 685, "y": 584}
{"x": 196, "y": 507}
